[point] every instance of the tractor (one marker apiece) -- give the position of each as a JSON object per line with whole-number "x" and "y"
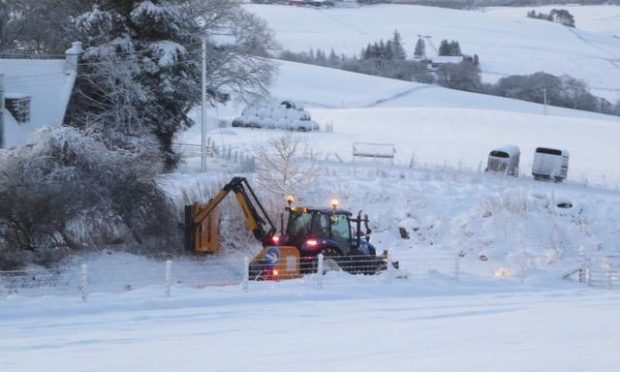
{"x": 332, "y": 232}
{"x": 342, "y": 240}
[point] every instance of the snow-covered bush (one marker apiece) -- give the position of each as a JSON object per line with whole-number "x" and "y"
{"x": 68, "y": 192}
{"x": 286, "y": 115}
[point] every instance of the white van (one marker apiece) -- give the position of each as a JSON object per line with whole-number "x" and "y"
{"x": 550, "y": 164}
{"x": 504, "y": 160}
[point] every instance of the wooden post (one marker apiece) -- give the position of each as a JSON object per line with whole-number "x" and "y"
{"x": 84, "y": 283}
{"x": 319, "y": 271}
{"x": 1, "y": 111}
{"x": 246, "y": 274}
{"x": 168, "y": 278}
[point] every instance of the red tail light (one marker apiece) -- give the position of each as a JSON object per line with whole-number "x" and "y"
{"x": 275, "y": 239}
{"x": 312, "y": 243}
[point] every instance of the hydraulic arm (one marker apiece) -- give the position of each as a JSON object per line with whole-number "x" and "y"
{"x": 201, "y": 220}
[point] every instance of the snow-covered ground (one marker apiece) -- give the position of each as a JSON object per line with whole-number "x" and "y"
{"x": 360, "y": 325}
{"x": 506, "y": 45}
{"x": 510, "y": 311}
{"x": 434, "y": 124}
{"x": 600, "y": 19}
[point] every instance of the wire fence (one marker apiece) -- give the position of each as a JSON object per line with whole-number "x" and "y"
{"x": 244, "y": 162}
{"x": 601, "y": 272}
{"x": 166, "y": 277}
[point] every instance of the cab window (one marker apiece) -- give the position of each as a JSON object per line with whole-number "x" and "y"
{"x": 320, "y": 225}
{"x": 341, "y": 232}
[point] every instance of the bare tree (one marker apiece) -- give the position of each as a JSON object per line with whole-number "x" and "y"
{"x": 282, "y": 169}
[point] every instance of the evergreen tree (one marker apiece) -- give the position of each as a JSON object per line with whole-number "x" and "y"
{"x": 563, "y": 17}
{"x": 398, "y": 50}
{"x": 444, "y": 48}
{"x": 333, "y": 59}
{"x": 388, "y": 52}
{"x": 321, "y": 59}
{"x": 141, "y": 70}
{"x": 455, "y": 49}
{"x": 374, "y": 51}
{"x": 365, "y": 54}
{"x": 420, "y": 49}
{"x": 451, "y": 48}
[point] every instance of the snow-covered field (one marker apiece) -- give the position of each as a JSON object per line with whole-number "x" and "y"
{"x": 400, "y": 326}
{"x": 421, "y": 119}
{"x": 506, "y": 45}
{"x": 511, "y": 311}
{"x": 600, "y": 19}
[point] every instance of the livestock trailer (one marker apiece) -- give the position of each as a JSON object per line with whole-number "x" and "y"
{"x": 550, "y": 164}
{"x": 504, "y": 160}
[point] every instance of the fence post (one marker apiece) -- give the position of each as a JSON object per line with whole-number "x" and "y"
{"x": 588, "y": 271}
{"x": 457, "y": 268}
{"x": 390, "y": 268}
{"x": 84, "y": 283}
{"x": 168, "y": 278}
{"x": 319, "y": 271}
{"x": 246, "y": 274}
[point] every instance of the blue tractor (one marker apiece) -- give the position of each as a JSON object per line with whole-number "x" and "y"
{"x": 342, "y": 239}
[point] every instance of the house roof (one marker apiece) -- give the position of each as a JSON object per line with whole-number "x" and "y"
{"x": 47, "y": 82}
{"x": 447, "y": 59}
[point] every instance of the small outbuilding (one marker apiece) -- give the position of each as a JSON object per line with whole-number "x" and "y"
{"x": 550, "y": 164}
{"x": 504, "y": 160}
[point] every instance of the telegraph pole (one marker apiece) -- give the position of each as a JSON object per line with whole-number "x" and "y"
{"x": 544, "y": 101}
{"x": 203, "y": 137}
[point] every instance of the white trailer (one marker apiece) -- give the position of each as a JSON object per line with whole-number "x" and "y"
{"x": 504, "y": 160}
{"x": 550, "y": 164}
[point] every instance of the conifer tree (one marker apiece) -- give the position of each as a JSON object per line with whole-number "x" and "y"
{"x": 420, "y": 49}
{"x": 141, "y": 70}
{"x": 398, "y": 50}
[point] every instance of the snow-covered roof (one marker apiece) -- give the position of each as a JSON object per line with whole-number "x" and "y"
{"x": 47, "y": 82}
{"x": 511, "y": 150}
{"x": 447, "y": 59}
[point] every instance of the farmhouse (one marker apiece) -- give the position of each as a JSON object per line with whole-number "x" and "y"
{"x": 34, "y": 93}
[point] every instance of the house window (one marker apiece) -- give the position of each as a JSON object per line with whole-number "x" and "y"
{"x": 19, "y": 107}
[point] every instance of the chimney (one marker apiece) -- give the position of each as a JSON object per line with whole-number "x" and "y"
{"x": 72, "y": 56}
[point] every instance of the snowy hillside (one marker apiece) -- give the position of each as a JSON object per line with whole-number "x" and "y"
{"x": 600, "y": 19}
{"x": 421, "y": 119}
{"x": 495, "y": 273}
{"x": 506, "y": 45}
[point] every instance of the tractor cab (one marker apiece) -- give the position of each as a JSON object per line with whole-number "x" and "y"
{"x": 333, "y": 232}
{"x": 306, "y": 226}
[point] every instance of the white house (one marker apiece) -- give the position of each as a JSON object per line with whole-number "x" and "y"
{"x": 442, "y": 60}
{"x": 36, "y": 94}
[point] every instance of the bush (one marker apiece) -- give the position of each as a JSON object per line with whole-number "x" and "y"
{"x": 68, "y": 193}
{"x": 461, "y": 76}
